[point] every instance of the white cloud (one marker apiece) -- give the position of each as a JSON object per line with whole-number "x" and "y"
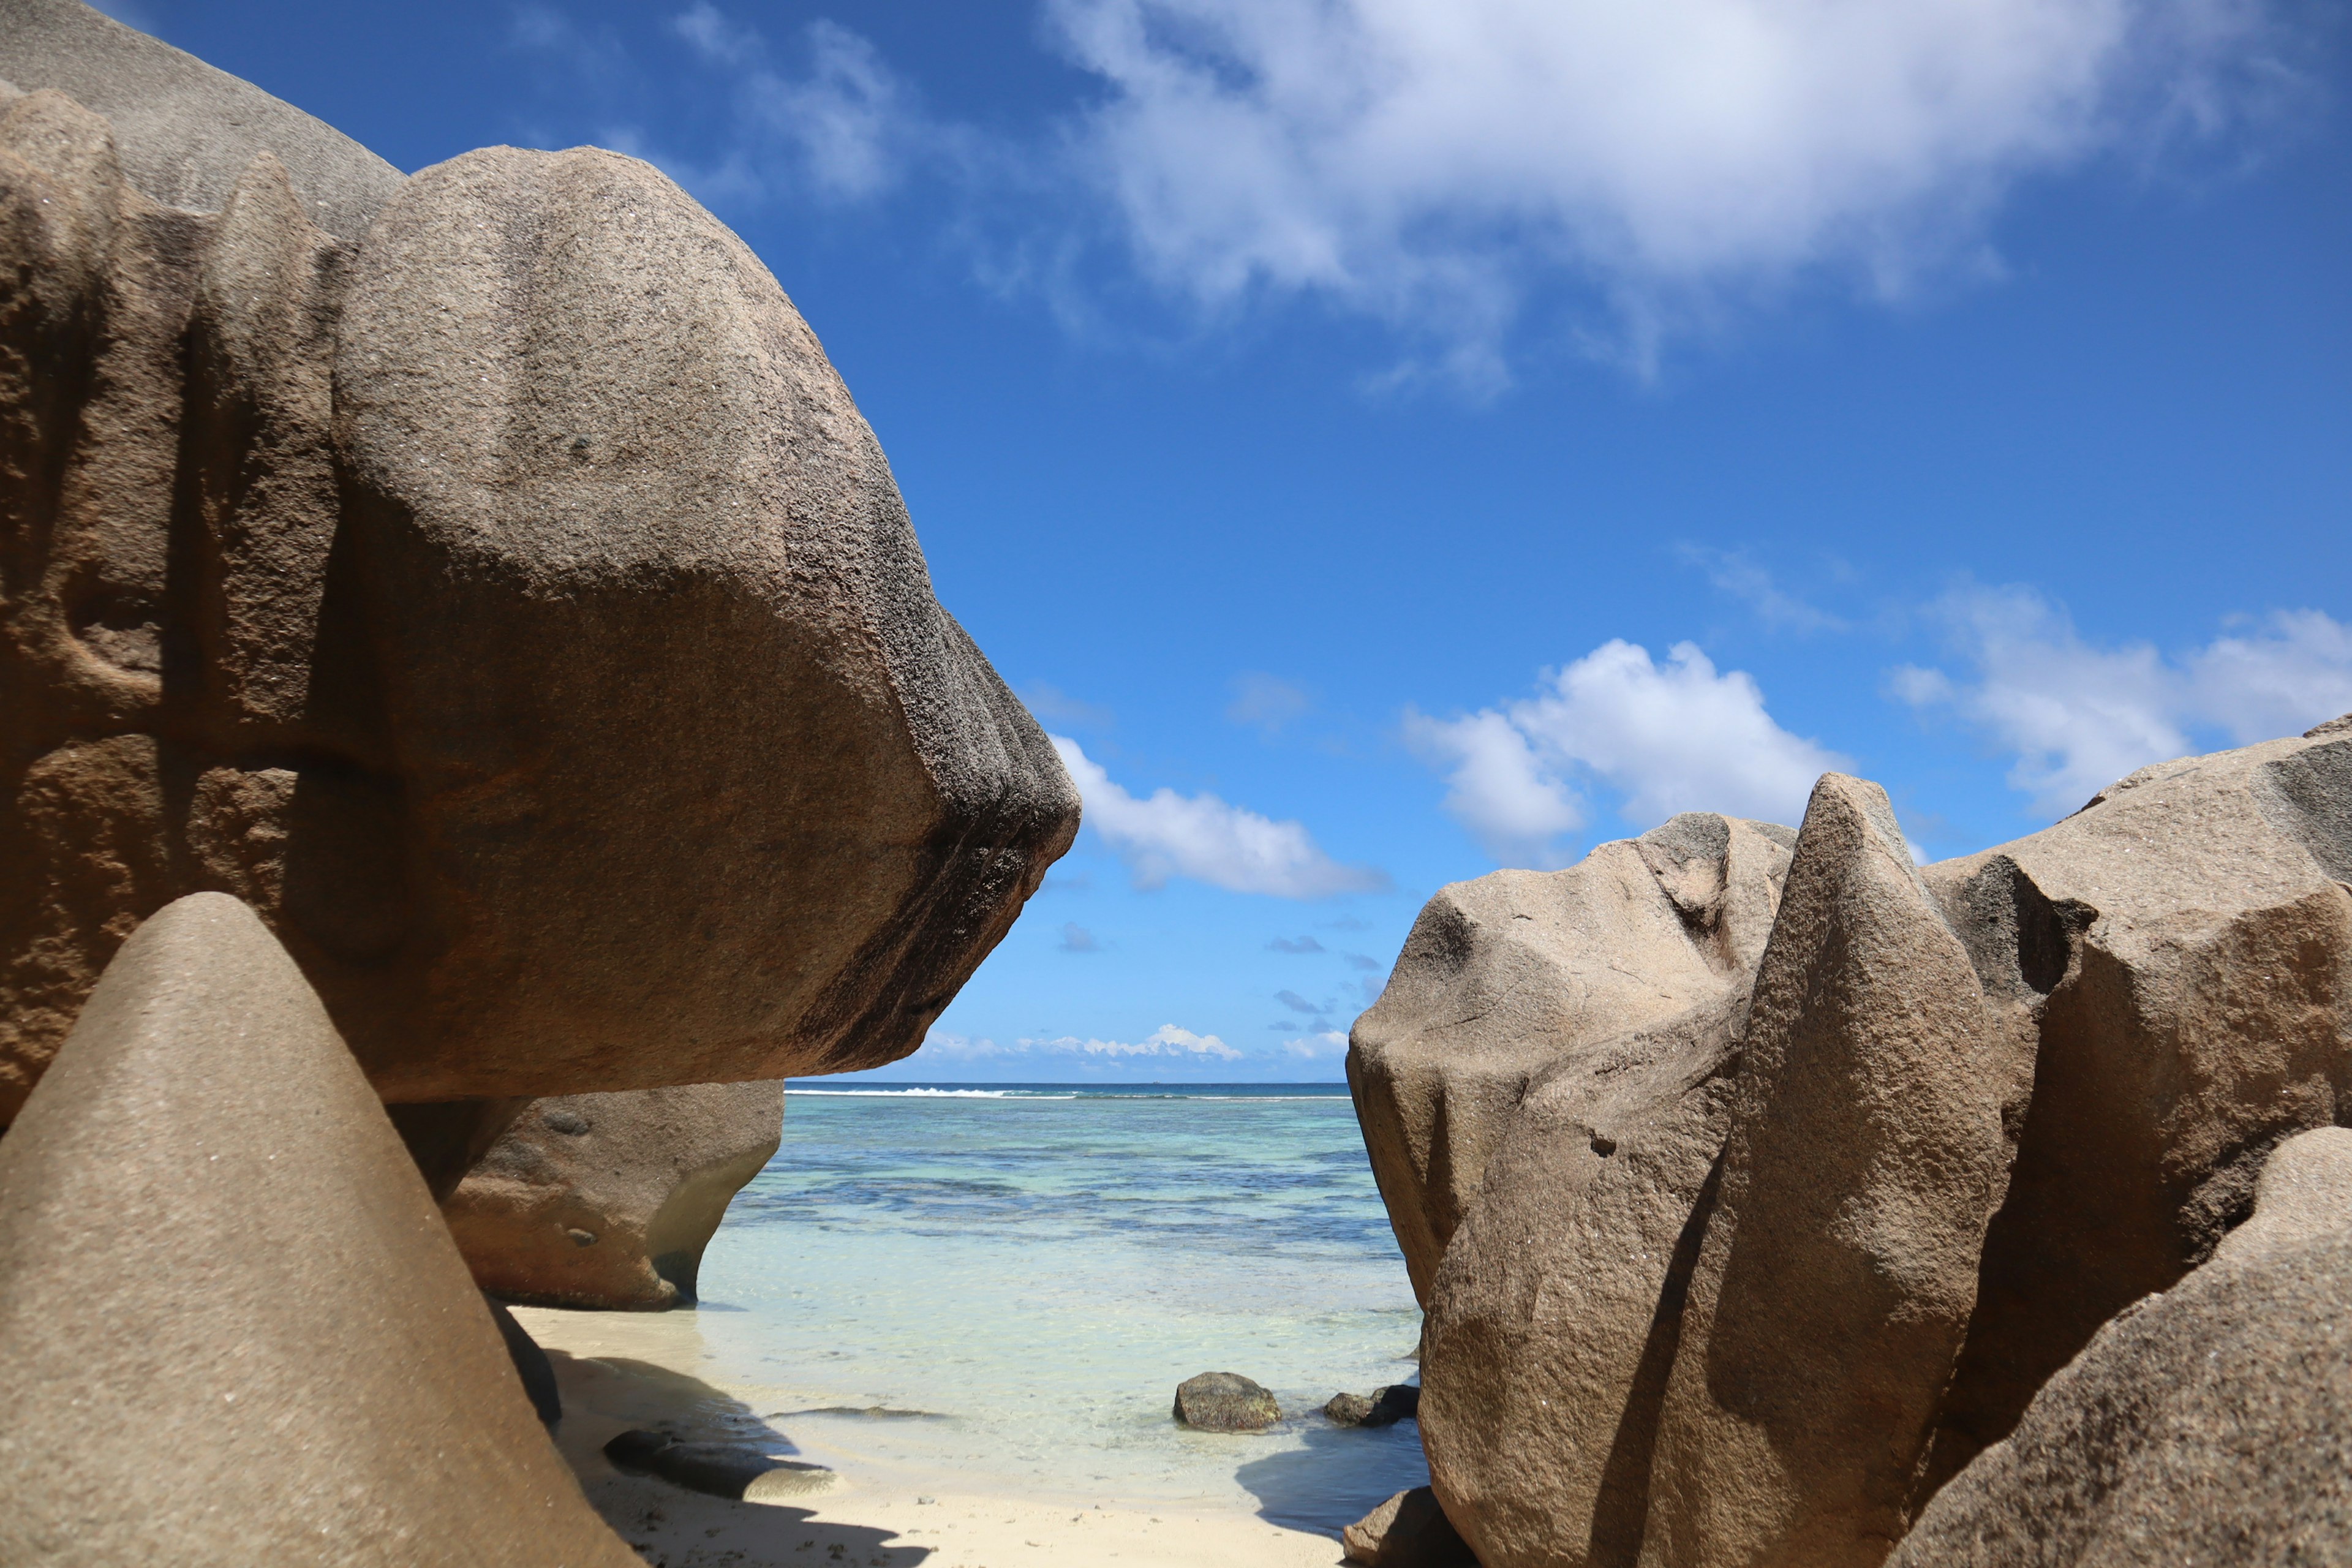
{"x": 1170, "y": 835}
{"x": 1168, "y": 1040}
{"x": 1673, "y": 737}
{"x": 1496, "y": 784}
{"x": 1733, "y": 573}
{"x": 1429, "y": 162}
{"x": 2080, "y": 717}
{"x": 1319, "y": 1046}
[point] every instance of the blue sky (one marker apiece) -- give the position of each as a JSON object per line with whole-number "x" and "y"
{"x": 1386, "y": 439}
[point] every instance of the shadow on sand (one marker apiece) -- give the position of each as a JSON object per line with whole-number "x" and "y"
{"x": 1337, "y": 1477}
{"x": 670, "y": 1526}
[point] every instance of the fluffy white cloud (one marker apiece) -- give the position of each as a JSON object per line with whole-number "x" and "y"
{"x": 2080, "y": 717}
{"x": 1497, "y": 786}
{"x": 1424, "y": 159}
{"x": 1168, "y": 834}
{"x": 1673, "y": 737}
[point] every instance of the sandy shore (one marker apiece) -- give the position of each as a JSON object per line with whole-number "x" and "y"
{"x": 618, "y": 1370}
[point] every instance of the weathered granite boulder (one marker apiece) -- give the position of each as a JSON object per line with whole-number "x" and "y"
{"x": 1225, "y": 1402}
{"x": 1871, "y": 1134}
{"x": 1748, "y": 1284}
{"x": 1409, "y": 1530}
{"x": 1505, "y": 976}
{"x": 2209, "y": 1423}
{"x": 2183, "y": 948}
{"x": 485, "y": 576}
{"x": 607, "y": 1200}
{"x": 236, "y": 1329}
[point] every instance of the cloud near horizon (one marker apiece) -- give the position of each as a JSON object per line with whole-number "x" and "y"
{"x": 1168, "y": 1040}
{"x": 1672, "y": 737}
{"x": 1166, "y": 834}
{"x": 2078, "y": 716}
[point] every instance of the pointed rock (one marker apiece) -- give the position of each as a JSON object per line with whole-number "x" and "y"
{"x": 235, "y": 1328}
{"x": 1869, "y": 1149}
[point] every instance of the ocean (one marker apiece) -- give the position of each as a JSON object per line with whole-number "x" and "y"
{"x": 998, "y": 1287}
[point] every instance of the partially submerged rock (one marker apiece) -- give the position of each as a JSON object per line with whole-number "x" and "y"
{"x": 1504, "y": 976}
{"x": 2209, "y": 1423}
{"x": 1225, "y": 1402}
{"x": 237, "y": 1329}
{"x": 1409, "y": 1530}
{"x": 608, "y": 1200}
{"x": 1382, "y": 1407}
{"x": 487, "y": 577}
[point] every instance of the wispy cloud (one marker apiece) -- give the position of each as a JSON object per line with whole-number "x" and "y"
{"x": 1266, "y": 703}
{"x": 1677, "y": 736}
{"x": 2078, "y": 716}
{"x": 1168, "y": 1040}
{"x": 1300, "y": 1005}
{"x": 1321, "y": 1046}
{"x": 1076, "y": 938}
{"x": 1294, "y": 944}
{"x": 1166, "y": 834}
{"x": 1734, "y": 573}
{"x": 1055, "y": 706}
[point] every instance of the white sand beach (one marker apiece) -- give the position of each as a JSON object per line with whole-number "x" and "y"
{"x": 625, "y": 1370}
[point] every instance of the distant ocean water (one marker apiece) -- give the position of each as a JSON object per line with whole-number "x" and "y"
{"x": 998, "y": 1287}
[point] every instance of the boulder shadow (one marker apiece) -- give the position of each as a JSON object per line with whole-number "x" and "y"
{"x": 1337, "y": 1475}
{"x": 668, "y": 1525}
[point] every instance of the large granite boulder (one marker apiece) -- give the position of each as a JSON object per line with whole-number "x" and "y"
{"x": 607, "y": 1200}
{"x": 2209, "y": 1423}
{"x": 1503, "y": 976}
{"x": 236, "y": 1329}
{"x": 485, "y": 576}
{"x": 1748, "y": 1283}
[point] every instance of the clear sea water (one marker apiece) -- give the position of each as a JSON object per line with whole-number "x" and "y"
{"x": 997, "y": 1289}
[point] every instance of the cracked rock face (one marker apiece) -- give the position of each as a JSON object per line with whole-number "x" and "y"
{"x": 485, "y": 576}
{"x": 1749, "y": 1280}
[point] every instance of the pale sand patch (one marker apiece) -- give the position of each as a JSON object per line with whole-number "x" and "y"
{"x": 620, "y": 1370}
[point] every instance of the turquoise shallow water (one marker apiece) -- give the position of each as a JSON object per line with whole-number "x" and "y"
{"x": 1017, "y": 1280}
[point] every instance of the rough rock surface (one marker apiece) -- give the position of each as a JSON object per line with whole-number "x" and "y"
{"x": 187, "y": 132}
{"x": 1409, "y": 1530}
{"x": 507, "y": 601}
{"x": 1225, "y": 1402}
{"x": 237, "y": 1331}
{"x": 1503, "y": 976}
{"x": 1870, "y": 1145}
{"x": 1750, "y": 1282}
{"x": 2210, "y": 1422}
{"x": 607, "y": 1200}
{"x": 2182, "y": 948}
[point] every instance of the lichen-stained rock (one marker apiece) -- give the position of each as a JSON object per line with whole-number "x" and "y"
{"x": 1505, "y": 976}
{"x": 2209, "y": 1423}
{"x": 1870, "y": 1144}
{"x": 2185, "y": 941}
{"x": 188, "y": 131}
{"x": 1557, "y": 1310}
{"x": 633, "y": 753}
{"x": 607, "y": 1200}
{"x": 237, "y": 1330}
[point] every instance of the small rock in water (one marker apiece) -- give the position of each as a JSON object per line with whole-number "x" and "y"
{"x": 1382, "y": 1407}
{"x": 1225, "y": 1402}
{"x": 1409, "y": 1530}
